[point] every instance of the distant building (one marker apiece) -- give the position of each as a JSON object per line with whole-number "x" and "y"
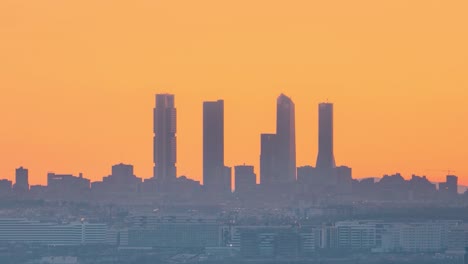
{"x": 5, "y": 186}
{"x": 42, "y": 233}
{"x": 449, "y": 188}
{"x": 21, "y": 180}
{"x": 336, "y": 180}
{"x": 457, "y": 239}
{"x": 178, "y": 231}
{"x": 213, "y": 144}
{"x": 325, "y": 158}
{"x": 415, "y": 237}
{"x": 278, "y": 151}
{"x": 273, "y": 241}
{"x": 328, "y": 237}
{"x": 268, "y": 157}
{"x": 122, "y": 180}
{"x": 180, "y": 188}
{"x": 165, "y": 145}
{"x": 326, "y": 176}
{"x": 424, "y": 236}
{"x": 67, "y": 184}
{"x": 285, "y": 139}
{"x": 421, "y": 188}
{"x": 392, "y": 187}
{"x": 245, "y": 179}
{"x": 359, "y": 235}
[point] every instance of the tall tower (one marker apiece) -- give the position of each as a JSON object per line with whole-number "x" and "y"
{"x": 213, "y": 143}
{"x": 21, "y": 180}
{"x": 325, "y": 158}
{"x": 268, "y": 172}
{"x": 286, "y": 139}
{"x": 165, "y": 145}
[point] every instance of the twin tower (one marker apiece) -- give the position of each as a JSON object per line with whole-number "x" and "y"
{"x": 278, "y": 151}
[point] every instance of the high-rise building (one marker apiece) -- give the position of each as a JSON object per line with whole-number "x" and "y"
{"x": 21, "y": 180}
{"x": 325, "y": 159}
{"x": 286, "y": 139}
{"x": 278, "y": 151}
{"x": 245, "y": 179}
{"x": 165, "y": 148}
{"x": 268, "y": 173}
{"x": 213, "y": 144}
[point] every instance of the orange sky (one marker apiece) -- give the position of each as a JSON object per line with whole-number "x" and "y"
{"x": 78, "y": 79}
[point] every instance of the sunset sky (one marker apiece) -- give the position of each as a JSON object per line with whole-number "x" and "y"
{"x": 78, "y": 79}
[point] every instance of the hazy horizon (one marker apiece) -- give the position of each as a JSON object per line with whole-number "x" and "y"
{"x": 79, "y": 79}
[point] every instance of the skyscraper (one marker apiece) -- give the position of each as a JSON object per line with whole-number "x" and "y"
{"x": 165, "y": 148}
{"x": 213, "y": 143}
{"x": 285, "y": 139}
{"x": 21, "y": 180}
{"x": 268, "y": 172}
{"x": 325, "y": 158}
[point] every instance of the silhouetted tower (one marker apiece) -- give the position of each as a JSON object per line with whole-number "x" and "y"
{"x": 325, "y": 159}
{"x": 286, "y": 139}
{"x": 21, "y": 180}
{"x": 165, "y": 145}
{"x": 213, "y": 143}
{"x": 268, "y": 172}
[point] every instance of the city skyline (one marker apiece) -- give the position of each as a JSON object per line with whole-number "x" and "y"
{"x": 277, "y": 151}
{"x": 78, "y": 82}
{"x": 234, "y": 132}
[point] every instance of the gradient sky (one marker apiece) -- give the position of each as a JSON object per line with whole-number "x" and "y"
{"x": 78, "y": 79}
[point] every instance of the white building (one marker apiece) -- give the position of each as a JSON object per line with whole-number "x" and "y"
{"x": 430, "y": 236}
{"x": 35, "y": 232}
{"x": 359, "y": 234}
{"x": 457, "y": 239}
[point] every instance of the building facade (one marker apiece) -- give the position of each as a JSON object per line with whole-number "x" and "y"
{"x": 286, "y": 139}
{"x": 325, "y": 158}
{"x": 21, "y": 180}
{"x": 213, "y": 144}
{"x": 165, "y": 141}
